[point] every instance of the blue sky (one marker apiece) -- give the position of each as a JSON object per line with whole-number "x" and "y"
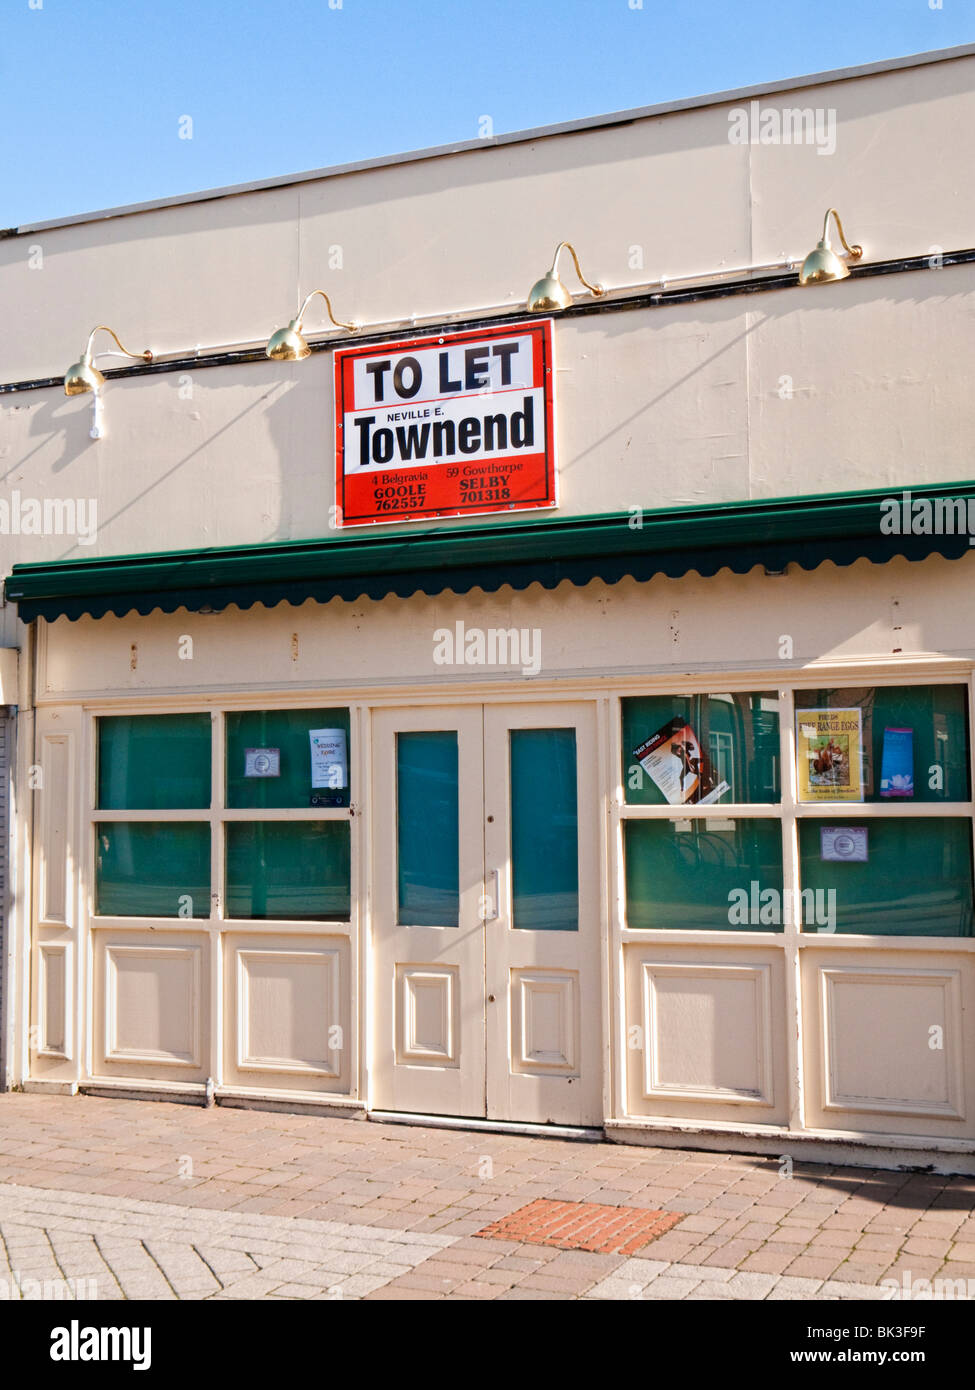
{"x": 92, "y": 92}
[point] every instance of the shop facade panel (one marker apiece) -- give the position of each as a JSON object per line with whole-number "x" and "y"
{"x": 889, "y": 1040}
{"x": 705, "y": 1033}
{"x": 151, "y": 1005}
{"x": 287, "y": 1008}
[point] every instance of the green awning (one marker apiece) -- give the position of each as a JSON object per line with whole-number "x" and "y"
{"x": 842, "y": 527}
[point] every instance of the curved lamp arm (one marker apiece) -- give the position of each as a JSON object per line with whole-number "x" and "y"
{"x": 296, "y": 323}
{"x": 854, "y": 251}
{"x": 103, "y": 328}
{"x": 567, "y": 246}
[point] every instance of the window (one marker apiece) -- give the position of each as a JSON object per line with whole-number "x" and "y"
{"x": 544, "y": 830}
{"x": 902, "y": 876}
{"x": 696, "y": 852}
{"x": 296, "y": 870}
{"x": 150, "y": 762}
{"x": 887, "y": 748}
{"x": 150, "y": 866}
{"x": 706, "y": 844}
{"x": 288, "y": 758}
{"x": 884, "y": 744}
{"x": 427, "y": 828}
{"x": 152, "y": 869}
{"x": 716, "y": 749}
{"x": 283, "y": 810}
{"x": 698, "y": 874}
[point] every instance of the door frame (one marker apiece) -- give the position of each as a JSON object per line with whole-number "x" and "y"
{"x": 475, "y": 694}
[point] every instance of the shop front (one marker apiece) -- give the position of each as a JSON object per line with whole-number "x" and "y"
{"x": 735, "y": 903}
{"x": 529, "y": 702}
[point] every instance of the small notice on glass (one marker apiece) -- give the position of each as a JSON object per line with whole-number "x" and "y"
{"x": 262, "y": 762}
{"x": 329, "y": 758}
{"x": 843, "y": 844}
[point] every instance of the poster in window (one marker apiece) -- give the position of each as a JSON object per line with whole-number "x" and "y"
{"x": 329, "y": 758}
{"x": 897, "y": 763}
{"x": 829, "y": 754}
{"x": 675, "y": 760}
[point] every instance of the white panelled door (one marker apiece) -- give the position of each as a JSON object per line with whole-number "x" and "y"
{"x": 485, "y": 913}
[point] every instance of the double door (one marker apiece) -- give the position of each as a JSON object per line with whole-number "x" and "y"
{"x": 485, "y": 913}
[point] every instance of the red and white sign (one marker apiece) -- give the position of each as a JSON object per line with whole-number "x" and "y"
{"x": 454, "y": 424}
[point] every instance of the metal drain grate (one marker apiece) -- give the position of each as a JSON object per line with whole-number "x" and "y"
{"x": 583, "y": 1226}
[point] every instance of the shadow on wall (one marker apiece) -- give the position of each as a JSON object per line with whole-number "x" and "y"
{"x": 63, "y": 426}
{"x": 789, "y": 392}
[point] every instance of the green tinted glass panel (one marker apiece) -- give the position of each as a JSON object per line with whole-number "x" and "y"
{"x": 916, "y": 879}
{"x": 427, "y": 835}
{"x": 152, "y": 869}
{"x": 701, "y": 877}
{"x": 294, "y": 869}
{"x": 928, "y": 742}
{"x": 544, "y": 830}
{"x": 269, "y": 758}
{"x": 149, "y": 762}
{"x": 733, "y": 739}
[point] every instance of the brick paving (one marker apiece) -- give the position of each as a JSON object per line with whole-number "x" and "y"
{"x": 583, "y": 1226}
{"x": 155, "y": 1200}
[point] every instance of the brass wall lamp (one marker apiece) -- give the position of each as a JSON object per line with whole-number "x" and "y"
{"x": 289, "y": 344}
{"x": 549, "y": 294}
{"x": 83, "y": 376}
{"x": 823, "y": 264}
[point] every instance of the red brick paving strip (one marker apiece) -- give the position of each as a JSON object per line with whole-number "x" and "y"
{"x": 583, "y": 1226}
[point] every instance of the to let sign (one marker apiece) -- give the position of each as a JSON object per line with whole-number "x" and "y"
{"x": 446, "y": 425}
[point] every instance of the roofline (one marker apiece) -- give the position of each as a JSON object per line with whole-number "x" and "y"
{"x": 615, "y": 118}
